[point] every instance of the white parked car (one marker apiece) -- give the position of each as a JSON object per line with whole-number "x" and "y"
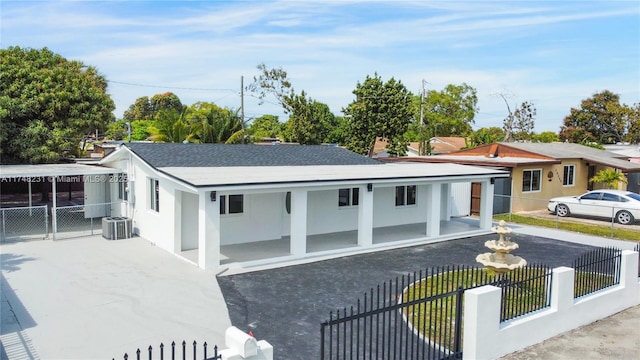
{"x": 623, "y": 206}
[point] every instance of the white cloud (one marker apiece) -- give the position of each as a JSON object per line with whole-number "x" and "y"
{"x": 533, "y": 49}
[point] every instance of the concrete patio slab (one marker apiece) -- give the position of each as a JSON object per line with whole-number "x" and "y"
{"x": 90, "y": 298}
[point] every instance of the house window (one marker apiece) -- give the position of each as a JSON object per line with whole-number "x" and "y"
{"x": 568, "y": 178}
{"x": 122, "y": 187}
{"x": 348, "y": 197}
{"x": 531, "y": 180}
{"x": 231, "y": 204}
{"x": 154, "y": 194}
{"x": 405, "y": 195}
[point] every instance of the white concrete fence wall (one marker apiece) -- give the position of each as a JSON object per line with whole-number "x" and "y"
{"x": 485, "y": 337}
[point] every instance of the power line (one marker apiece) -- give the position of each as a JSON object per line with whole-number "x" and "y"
{"x": 170, "y": 87}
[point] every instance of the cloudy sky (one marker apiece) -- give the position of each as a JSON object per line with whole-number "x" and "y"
{"x": 553, "y": 53}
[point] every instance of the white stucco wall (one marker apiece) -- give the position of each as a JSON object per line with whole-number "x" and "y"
{"x": 157, "y": 227}
{"x": 261, "y": 220}
{"x": 486, "y": 338}
{"x": 324, "y": 205}
{"x": 189, "y": 223}
{"x": 386, "y": 213}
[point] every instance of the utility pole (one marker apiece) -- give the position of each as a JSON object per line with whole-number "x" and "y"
{"x": 242, "y": 105}
{"x": 422, "y": 148}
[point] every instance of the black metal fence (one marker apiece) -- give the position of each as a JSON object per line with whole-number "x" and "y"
{"x": 596, "y": 270}
{"x": 176, "y": 352}
{"x": 524, "y": 291}
{"x": 419, "y": 315}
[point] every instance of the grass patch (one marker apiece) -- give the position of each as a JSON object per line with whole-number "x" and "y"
{"x": 588, "y": 282}
{"x": 597, "y": 230}
{"x": 432, "y": 302}
{"x": 524, "y": 290}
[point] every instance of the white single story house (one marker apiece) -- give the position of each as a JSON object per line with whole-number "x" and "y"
{"x": 221, "y": 205}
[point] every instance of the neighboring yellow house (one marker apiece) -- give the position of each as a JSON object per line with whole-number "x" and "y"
{"x": 539, "y": 171}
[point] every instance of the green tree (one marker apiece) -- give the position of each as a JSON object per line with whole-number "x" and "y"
{"x": 48, "y": 104}
{"x": 170, "y": 125}
{"x": 453, "y": 110}
{"x": 609, "y": 177}
{"x": 601, "y": 118}
{"x": 210, "y": 123}
{"x": 266, "y": 126}
{"x": 545, "y": 137}
{"x": 485, "y": 136}
{"x": 309, "y": 120}
{"x": 339, "y": 133}
{"x": 519, "y": 124}
{"x": 381, "y": 109}
{"x": 140, "y": 130}
{"x": 140, "y": 110}
{"x": 117, "y": 130}
{"x": 633, "y": 134}
{"x": 147, "y": 109}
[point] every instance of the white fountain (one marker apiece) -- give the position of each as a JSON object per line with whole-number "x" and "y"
{"x": 500, "y": 261}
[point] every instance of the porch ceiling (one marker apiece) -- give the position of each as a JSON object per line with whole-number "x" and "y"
{"x": 254, "y": 175}
{"x": 52, "y": 170}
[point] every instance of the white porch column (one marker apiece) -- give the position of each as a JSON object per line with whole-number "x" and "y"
{"x": 445, "y": 202}
{"x": 298, "y": 244}
{"x": 434, "y": 199}
{"x": 365, "y": 217}
{"x": 486, "y": 204}
{"x": 177, "y": 221}
{"x": 208, "y": 231}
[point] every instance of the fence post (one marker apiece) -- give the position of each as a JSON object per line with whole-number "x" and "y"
{"x": 458, "y": 332}
{"x": 54, "y": 211}
{"x": 3, "y": 224}
{"x": 481, "y": 322}
{"x": 613, "y": 220}
{"x": 46, "y": 222}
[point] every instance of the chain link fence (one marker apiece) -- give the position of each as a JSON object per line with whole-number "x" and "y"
{"x": 24, "y": 223}
{"x": 614, "y": 215}
{"x": 38, "y": 223}
{"x": 83, "y": 220}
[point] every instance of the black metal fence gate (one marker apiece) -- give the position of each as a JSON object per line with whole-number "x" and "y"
{"x": 419, "y": 315}
{"x": 390, "y": 323}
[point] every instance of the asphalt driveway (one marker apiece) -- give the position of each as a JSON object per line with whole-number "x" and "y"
{"x": 287, "y": 305}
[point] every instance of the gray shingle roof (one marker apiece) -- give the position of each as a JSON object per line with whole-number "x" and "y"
{"x": 558, "y": 150}
{"x": 161, "y": 155}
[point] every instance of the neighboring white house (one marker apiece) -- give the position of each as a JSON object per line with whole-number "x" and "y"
{"x": 212, "y": 202}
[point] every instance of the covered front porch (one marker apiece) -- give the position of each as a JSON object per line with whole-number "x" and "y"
{"x": 341, "y": 243}
{"x": 243, "y": 226}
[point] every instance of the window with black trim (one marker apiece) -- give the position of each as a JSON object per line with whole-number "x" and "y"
{"x": 348, "y": 197}
{"x": 531, "y": 180}
{"x": 406, "y": 195}
{"x": 568, "y": 178}
{"x": 154, "y": 194}
{"x": 231, "y": 204}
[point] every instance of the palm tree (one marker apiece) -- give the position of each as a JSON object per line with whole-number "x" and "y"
{"x": 218, "y": 126}
{"x": 171, "y": 126}
{"x": 609, "y": 177}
